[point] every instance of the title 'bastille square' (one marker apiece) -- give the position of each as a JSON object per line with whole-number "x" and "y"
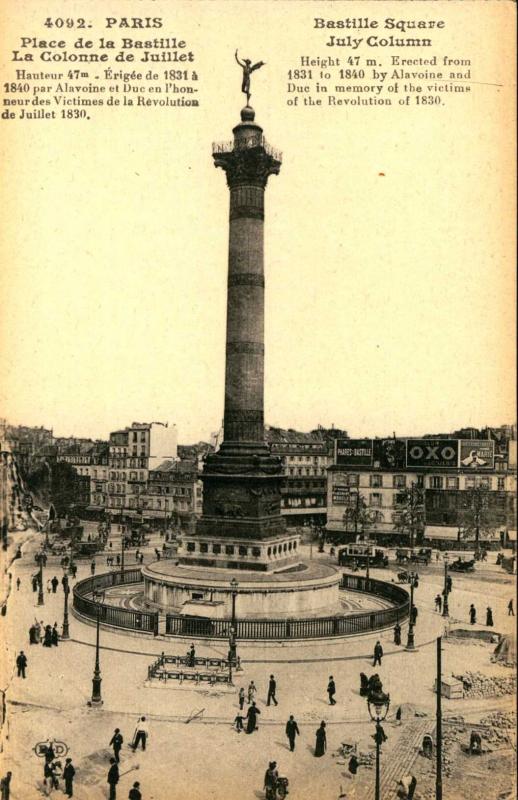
{"x": 258, "y": 607}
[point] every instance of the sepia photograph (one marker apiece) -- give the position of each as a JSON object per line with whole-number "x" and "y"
{"x": 257, "y": 402}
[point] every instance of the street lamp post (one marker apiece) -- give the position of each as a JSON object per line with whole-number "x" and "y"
{"x": 378, "y": 704}
{"x": 122, "y": 556}
{"x": 410, "y": 639}
{"x": 233, "y": 585}
{"x": 232, "y": 651}
{"x": 96, "y": 700}
{"x": 39, "y": 561}
{"x": 66, "y": 589}
{"x": 445, "y": 608}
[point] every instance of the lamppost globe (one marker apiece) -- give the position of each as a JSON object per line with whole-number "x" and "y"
{"x": 379, "y": 702}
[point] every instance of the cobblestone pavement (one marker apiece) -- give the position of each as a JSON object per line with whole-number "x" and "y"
{"x": 206, "y": 758}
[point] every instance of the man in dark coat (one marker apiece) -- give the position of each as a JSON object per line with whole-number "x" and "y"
{"x": 272, "y": 688}
{"x": 134, "y": 792}
{"x": 397, "y": 633}
{"x": 378, "y": 653}
{"x": 414, "y": 614}
{"x": 116, "y": 742}
{"x": 331, "y": 691}
{"x": 21, "y": 664}
{"x": 292, "y": 730}
{"x": 472, "y": 614}
{"x": 251, "y": 716}
{"x": 5, "y": 786}
{"x": 113, "y": 779}
{"x": 68, "y": 775}
{"x": 55, "y": 584}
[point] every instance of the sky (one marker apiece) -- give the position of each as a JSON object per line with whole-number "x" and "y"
{"x": 389, "y": 254}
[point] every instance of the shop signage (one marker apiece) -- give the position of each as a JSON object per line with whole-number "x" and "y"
{"x": 432, "y": 453}
{"x": 354, "y": 452}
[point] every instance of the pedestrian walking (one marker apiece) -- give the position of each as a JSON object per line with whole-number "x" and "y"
{"x": 449, "y": 584}
{"x": 414, "y": 615}
{"x": 378, "y": 653}
{"x": 321, "y": 740}
{"x": 113, "y": 779}
{"x": 271, "y": 777}
{"x": 472, "y": 614}
{"x": 191, "y": 656}
{"x": 18, "y": 582}
{"x": 118, "y": 560}
{"x": 68, "y": 777}
{"x": 251, "y": 716}
{"x": 49, "y": 586}
{"x": 272, "y": 688}
{"x": 489, "y": 617}
{"x": 5, "y": 786}
{"x": 34, "y": 581}
{"x": 134, "y": 792}
{"x": 47, "y": 636}
{"x": 55, "y": 635}
{"x": 73, "y": 569}
{"x": 398, "y": 716}
{"x": 55, "y": 584}
{"x": 252, "y": 691}
{"x": 238, "y": 722}
{"x": 292, "y": 730}
{"x": 141, "y": 734}
{"x": 438, "y": 603}
{"x": 116, "y": 742}
{"x": 331, "y": 691}
{"x": 92, "y": 566}
{"x": 241, "y": 698}
{"x": 510, "y": 609}
{"x": 397, "y": 633}
{"x": 21, "y": 664}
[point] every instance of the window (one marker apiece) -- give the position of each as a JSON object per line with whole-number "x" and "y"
{"x": 243, "y": 551}
{"x": 376, "y": 481}
{"x": 216, "y": 548}
{"x": 191, "y": 547}
{"x": 485, "y": 483}
{"x": 501, "y": 484}
{"x": 354, "y": 480}
{"x": 375, "y": 500}
{"x": 256, "y": 551}
{"x": 399, "y": 481}
{"x": 229, "y": 549}
{"x": 452, "y": 483}
{"x": 134, "y": 437}
{"x": 469, "y": 483}
{"x": 436, "y": 482}
{"x": 204, "y": 547}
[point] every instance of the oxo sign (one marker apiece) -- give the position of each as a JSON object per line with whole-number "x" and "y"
{"x": 432, "y": 453}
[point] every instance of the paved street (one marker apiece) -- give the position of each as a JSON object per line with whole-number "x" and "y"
{"x": 52, "y": 701}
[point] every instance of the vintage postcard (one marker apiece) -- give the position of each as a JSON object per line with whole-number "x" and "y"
{"x": 257, "y": 410}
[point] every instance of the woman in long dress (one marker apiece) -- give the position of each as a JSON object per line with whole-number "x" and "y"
{"x": 251, "y": 716}
{"x": 320, "y": 746}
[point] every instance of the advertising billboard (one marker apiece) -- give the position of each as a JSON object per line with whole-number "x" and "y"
{"x": 340, "y": 495}
{"x": 354, "y": 452}
{"x": 477, "y": 454}
{"x": 390, "y": 453}
{"x": 432, "y": 453}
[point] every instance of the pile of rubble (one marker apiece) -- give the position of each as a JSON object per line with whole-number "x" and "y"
{"x": 501, "y": 729}
{"x": 477, "y": 685}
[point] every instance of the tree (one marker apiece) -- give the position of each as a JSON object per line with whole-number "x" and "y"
{"x": 357, "y": 513}
{"x": 410, "y": 514}
{"x": 474, "y": 517}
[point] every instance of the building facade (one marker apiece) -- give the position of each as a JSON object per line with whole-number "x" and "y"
{"x": 462, "y": 484}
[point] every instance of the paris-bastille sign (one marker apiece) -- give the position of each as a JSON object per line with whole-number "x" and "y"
{"x": 429, "y": 453}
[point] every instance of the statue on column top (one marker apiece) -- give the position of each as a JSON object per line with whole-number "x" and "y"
{"x": 248, "y": 68}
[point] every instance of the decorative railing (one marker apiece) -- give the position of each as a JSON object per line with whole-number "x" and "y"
{"x": 84, "y": 604}
{"x": 256, "y": 140}
{"x": 322, "y": 627}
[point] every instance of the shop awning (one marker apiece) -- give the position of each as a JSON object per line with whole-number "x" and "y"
{"x": 441, "y": 532}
